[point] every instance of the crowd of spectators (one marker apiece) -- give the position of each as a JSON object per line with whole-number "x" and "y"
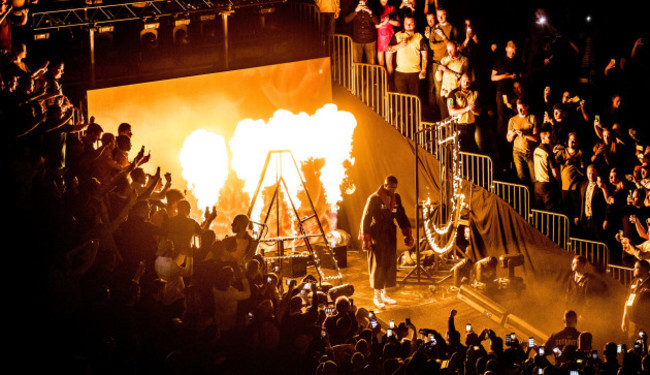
{"x": 120, "y": 285}
{"x": 556, "y": 109}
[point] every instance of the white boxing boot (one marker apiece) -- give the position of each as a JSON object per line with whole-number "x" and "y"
{"x": 387, "y": 300}
{"x": 378, "y": 300}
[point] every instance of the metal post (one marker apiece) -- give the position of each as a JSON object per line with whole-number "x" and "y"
{"x": 278, "y": 172}
{"x": 418, "y": 269}
{"x": 226, "y": 43}
{"x": 417, "y": 207}
{"x": 91, "y": 42}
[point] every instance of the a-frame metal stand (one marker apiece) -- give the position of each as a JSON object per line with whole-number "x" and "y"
{"x": 302, "y": 233}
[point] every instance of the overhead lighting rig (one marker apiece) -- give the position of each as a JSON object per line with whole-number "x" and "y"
{"x": 99, "y": 14}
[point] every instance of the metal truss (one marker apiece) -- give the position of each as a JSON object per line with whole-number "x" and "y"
{"x": 97, "y": 15}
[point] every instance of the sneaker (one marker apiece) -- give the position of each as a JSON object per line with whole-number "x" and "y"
{"x": 387, "y": 300}
{"x": 378, "y": 302}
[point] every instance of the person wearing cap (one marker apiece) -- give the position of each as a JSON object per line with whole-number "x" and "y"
{"x": 378, "y": 234}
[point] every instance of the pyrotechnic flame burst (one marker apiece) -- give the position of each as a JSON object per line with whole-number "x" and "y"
{"x": 325, "y": 135}
{"x": 204, "y": 160}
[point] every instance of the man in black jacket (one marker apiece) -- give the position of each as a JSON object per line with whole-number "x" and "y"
{"x": 592, "y": 205}
{"x": 637, "y": 305}
{"x": 378, "y": 234}
{"x": 364, "y": 34}
{"x": 567, "y": 336}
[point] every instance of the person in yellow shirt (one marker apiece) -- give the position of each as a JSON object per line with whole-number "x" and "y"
{"x": 522, "y": 133}
{"x": 463, "y": 102}
{"x": 451, "y": 68}
{"x": 411, "y": 58}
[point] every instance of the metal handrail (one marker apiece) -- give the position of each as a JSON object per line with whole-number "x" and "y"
{"x": 553, "y": 225}
{"x": 371, "y": 86}
{"x": 340, "y": 48}
{"x": 403, "y": 112}
{"x": 516, "y": 195}
{"x": 477, "y": 169}
{"x": 595, "y": 252}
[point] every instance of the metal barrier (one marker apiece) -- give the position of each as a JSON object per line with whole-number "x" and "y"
{"x": 403, "y": 112}
{"x": 341, "y": 57}
{"x": 516, "y": 195}
{"x": 305, "y": 14}
{"x": 427, "y": 140}
{"x": 477, "y": 169}
{"x": 553, "y": 225}
{"x": 371, "y": 86}
{"x": 620, "y": 273}
{"x": 595, "y": 252}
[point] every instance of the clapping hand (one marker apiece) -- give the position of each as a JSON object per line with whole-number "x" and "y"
{"x": 209, "y": 216}
{"x": 146, "y": 158}
{"x": 156, "y": 176}
{"x": 140, "y": 155}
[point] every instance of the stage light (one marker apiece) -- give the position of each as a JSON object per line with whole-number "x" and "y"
{"x": 512, "y": 282}
{"x": 338, "y": 237}
{"x": 151, "y": 25}
{"x": 208, "y": 17}
{"x": 182, "y": 22}
{"x": 510, "y": 262}
{"x": 341, "y": 290}
{"x": 105, "y": 29}
{"x": 44, "y": 36}
{"x": 104, "y": 41}
{"x": 208, "y": 25}
{"x": 180, "y": 33}
{"x": 149, "y": 35}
